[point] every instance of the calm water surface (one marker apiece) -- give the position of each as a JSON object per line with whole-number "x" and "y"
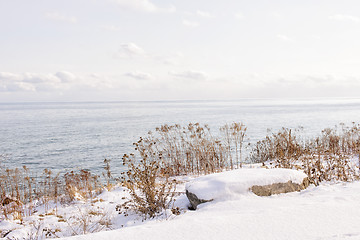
{"x": 80, "y": 135}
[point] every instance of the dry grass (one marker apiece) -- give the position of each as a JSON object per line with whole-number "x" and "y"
{"x": 89, "y": 221}
{"x": 151, "y": 190}
{"x": 81, "y": 185}
{"x": 193, "y": 149}
{"x": 173, "y": 150}
{"x": 330, "y": 156}
{"x": 20, "y": 193}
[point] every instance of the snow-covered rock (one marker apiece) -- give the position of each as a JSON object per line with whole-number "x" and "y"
{"x": 232, "y": 184}
{"x": 277, "y": 188}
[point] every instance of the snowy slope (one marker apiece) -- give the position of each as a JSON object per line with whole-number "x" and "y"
{"x": 330, "y": 211}
{"x": 227, "y": 185}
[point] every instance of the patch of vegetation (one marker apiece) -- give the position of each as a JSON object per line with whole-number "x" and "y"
{"x": 331, "y": 156}
{"x": 171, "y": 151}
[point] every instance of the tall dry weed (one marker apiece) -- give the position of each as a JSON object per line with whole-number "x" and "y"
{"x": 148, "y": 182}
{"x": 326, "y": 157}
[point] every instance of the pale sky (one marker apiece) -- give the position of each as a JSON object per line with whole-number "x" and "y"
{"x": 109, "y": 50}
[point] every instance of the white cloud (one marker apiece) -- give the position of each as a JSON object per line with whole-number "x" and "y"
{"x": 36, "y": 81}
{"x": 62, "y": 81}
{"x": 18, "y": 87}
{"x": 39, "y": 78}
{"x": 203, "y": 14}
{"x": 6, "y": 76}
{"x": 190, "y": 23}
{"x": 129, "y": 50}
{"x": 143, "y": 6}
{"x": 112, "y": 28}
{"x": 275, "y": 15}
{"x": 170, "y": 59}
{"x": 315, "y": 81}
{"x": 283, "y": 37}
{"x": 65, "y": 76}
{"x": 13, "y": 82}
{"x": 239, "y": 16}
{"x": 59, "y": 17}
{"x": 139, "y": 75}
{"x": 195, "y": 75}
{"x": 342, "y": 17}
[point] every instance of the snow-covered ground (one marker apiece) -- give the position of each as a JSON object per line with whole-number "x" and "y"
{"x": 329, "y": 211}
{"x": 228, "y": 185}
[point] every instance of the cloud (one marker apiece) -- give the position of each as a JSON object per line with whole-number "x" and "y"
{"x": 139, "y": 75}
{"x": 143, "y": 6}
{"x": 173, "y": 59}
{"x": 6, "y": 76}
{"x": 39, "y": 78}
{"x": 203, "y": 14}
{"x": 60, "y": 81}
{"x": 283, "y": 37}
{"x": 111, "y": 28}
{"x": 239, "y": 16}
{"x": 13, "y": 82}
{"x": 35, "y": 81}
{"x": 18, "y": 87}
{"x": 65, "y": 77}
{"x": 316, "y": 80}
{"x": 190, "y": 23}
{"x": 341, "y": 17}
{"x": 194, "y": 75}
{"x": 59, "y": 17}
{"x": 170, "y": 58}
{"x": 275, "y": 15}
{"x": 129, "y": 50}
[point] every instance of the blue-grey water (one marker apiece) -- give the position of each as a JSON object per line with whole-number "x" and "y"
{"x": 80, "y": 135}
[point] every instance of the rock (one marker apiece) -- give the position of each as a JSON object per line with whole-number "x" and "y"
{"x": 277, "y": 188}
{"x": 229, "y": 185}
{"x": 194, "y": 200}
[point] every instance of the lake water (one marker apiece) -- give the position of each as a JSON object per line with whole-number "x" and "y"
{"x": 80, "y": 135}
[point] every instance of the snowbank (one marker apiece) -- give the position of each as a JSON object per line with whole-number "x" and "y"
{"x": 231, "y": 184}
{"x": 330, "y": 211}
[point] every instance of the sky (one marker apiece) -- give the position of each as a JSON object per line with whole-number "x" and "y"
{"x": 129, "y": 50}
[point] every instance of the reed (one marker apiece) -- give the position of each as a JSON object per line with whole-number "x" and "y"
{"x": 21, "y": 192}
{"x": 174, "y": 150}
{"x": 333, "y": 155}
{"x": 149, "y": 184}
{"x": 193, "y": 149}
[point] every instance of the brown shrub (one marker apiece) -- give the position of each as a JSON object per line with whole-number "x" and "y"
{"x": 151, "y": 190}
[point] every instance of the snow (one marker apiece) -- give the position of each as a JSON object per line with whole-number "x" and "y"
{"x": 226, "y": 185}
{"x": 329, "y": 211}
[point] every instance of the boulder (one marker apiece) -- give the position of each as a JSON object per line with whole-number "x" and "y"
{"x": 277, "y": 188}
{"x": 194, "y": 200}
{"x": 231, "y": 184}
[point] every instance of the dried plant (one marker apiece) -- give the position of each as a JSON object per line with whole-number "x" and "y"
{"x": 82, "y": 185}
{"x": 193, "y": 149}
{"x": 151, "y": 190}
{"x": 20, "y": 192}
{"x": 234, "y": 135}
{"x": 89, "y": 220}
{"x": 173, "y": 150}
{"x": 324, "y": 158}
{"x": 110, "y": 181}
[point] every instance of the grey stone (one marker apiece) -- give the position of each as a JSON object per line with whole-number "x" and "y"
{"x": 265, "y": 190}
{"x": 194, "y": 200}
{"x": 277, "y": 188}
